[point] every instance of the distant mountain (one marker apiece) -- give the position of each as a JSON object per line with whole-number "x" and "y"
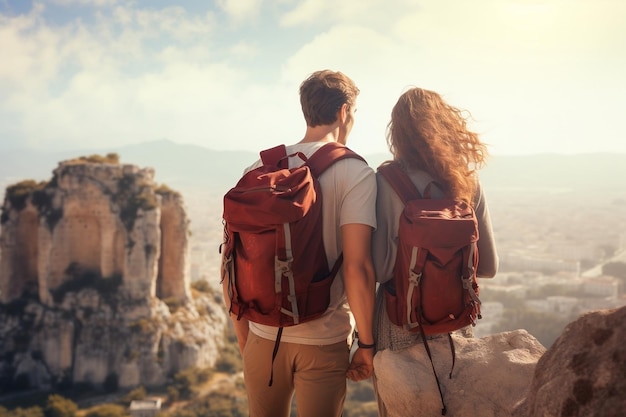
{"x": 191, "y": 165}
{"x": 582, "y": 173}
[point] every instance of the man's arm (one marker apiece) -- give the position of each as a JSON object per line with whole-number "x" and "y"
{"x": 359, "y": 280}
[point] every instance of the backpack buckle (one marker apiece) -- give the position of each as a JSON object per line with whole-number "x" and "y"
{"x": 415, "y": 277}
{"x": 281, "y": 267}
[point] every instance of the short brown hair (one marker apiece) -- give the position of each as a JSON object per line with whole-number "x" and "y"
{"x": 323, "y": 93}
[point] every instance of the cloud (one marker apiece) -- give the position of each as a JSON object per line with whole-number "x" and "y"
{"x": 244, "y": 50}
{"x": 240, "y": 10}
{"x": 372, "y": 13}
{"x": 522, "y": 68}
{"x": 127, "y": 73}
{"x": 131, "y": 75}
{"x": 97, "y": 3}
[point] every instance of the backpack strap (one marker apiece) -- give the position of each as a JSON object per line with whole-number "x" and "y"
{"x": 320, "y": 161}
{"x": 327, "y": 155}
{"x": 399, "y": 180}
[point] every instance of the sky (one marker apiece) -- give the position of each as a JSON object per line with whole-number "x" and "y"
{"x": 537, "y": 76}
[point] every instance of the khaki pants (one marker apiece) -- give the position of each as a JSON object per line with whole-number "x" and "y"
{"x": 317, "y": 375}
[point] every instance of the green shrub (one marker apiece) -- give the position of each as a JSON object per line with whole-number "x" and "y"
{"x": 202, "y": 285}
{"x": 188, "y": 379}
{"x": 58, "y": 406}
{"x": 173, "y": 303}
{"x": 140, "y": 326}
{"x": 18, "y": 193}
{"x": 21, "y": 412}
{"x": 137, "y": 394}
{"x": 110, "y": 158}
{"x": 215, "y": 404}
{"x": 42, "y": 198}
{"x": 132, "y": 196}
{"x": 165, "y": 190}
{"x": 173, "y": 394}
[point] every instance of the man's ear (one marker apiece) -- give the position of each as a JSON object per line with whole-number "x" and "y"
{"x": 343, "y": 112}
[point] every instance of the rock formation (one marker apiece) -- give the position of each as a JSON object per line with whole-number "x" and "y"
{"x": 94, "y": 282}
{"x": 584, "y": 371}
{"x": 490, "y": 376}
{"x": 512, "y": 375}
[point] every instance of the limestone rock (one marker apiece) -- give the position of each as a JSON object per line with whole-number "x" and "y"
{"x": 94, "y": 281}
{"x": 490, "y": 376}
{"x": 584, "y": 371}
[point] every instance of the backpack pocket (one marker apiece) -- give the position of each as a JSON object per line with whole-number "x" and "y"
{"x": 314, "y": 301}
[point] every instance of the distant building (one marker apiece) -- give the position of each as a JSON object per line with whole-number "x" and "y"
{"x": 556, "y": 304}
{"x": 577, "y": 251}
{"x": 145, "y": 408}
{"x": 602, "y": 286}
{"x": 517, "y": 290}
{"x": 522, "y": 262}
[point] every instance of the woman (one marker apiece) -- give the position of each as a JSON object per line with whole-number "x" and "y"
{"x": 430, "y": 141}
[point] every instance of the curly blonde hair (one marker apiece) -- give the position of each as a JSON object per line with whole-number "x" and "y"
{"x": 427, "y": 133}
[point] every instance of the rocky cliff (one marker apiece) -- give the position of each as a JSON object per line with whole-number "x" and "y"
{"x": 94, "y": 282}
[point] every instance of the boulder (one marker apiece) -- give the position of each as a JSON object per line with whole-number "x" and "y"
{"x": 584, "y": 371}
{"x": 490, "y": 375}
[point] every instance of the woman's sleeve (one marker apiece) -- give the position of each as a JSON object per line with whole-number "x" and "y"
{"x": 488, "y": 256}
{"x": 385, "y": 238}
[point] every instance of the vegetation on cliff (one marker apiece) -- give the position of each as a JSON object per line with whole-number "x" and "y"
{"x": 131, "y": 195}
{"x": 17, "y": 195}
{"x": 110, "y": 158}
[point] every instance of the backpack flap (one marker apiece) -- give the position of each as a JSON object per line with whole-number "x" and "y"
{"x": 265, "y": 197}
{"x": 442, "y": 226}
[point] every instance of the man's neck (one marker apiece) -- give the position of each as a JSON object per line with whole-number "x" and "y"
{"x": 324, "y": 133}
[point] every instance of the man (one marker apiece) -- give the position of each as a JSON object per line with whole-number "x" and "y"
{"x": 312, "y": 359}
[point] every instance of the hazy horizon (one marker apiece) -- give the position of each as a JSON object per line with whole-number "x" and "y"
{"x": 103, "y": 148}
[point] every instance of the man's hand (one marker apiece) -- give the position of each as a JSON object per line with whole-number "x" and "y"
{"x": 362, "y": 365}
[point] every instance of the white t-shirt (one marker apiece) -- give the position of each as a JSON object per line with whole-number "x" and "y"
{"x": 348, "y": 197}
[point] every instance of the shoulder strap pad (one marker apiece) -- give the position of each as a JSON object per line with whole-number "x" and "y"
{"x": 327, "y": 155}
{"x": 399, "y": 180}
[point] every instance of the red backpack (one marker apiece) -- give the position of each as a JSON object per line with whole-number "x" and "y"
{"x": 434, "y": 288}
{"x": 274, "y": 257}
{"x": 434, "y": 284}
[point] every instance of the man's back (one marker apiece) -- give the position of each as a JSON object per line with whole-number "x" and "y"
{"x": 348, "y": 196}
